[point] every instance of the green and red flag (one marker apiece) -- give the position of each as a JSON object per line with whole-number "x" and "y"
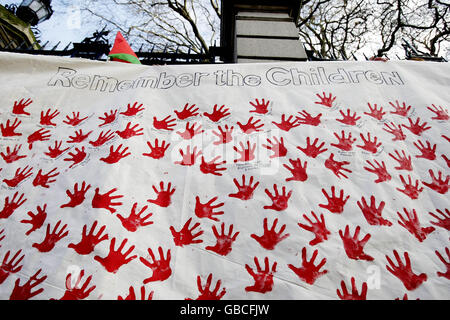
{"x": 122, "y": 52}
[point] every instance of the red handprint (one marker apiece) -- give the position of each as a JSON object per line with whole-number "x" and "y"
{"x": 380, "y": 170}
{"x": 19, "y": 107}
{"x": 312, "y": 150}
{"x": 51, "y": 238}
{"x": 318, "y": 228}
{"x": 190, "y": 131}
{"x": 10, "y": 206}
{"x": 184, "y": 236}
{"x": 245, "y": 192}
{"x": 78, "y": 196}
{"x": 78, "y": 137}
{"x": 39, "y": 135}
{"x": 56, "y": 151}
{"x": 188, "y": 158}
{"x": 371, "y": 146}
{"x": 263, "y": 278}
{"x": 336, "y": 166}
{"x": 133, "y": 110}
{"x": 260, "y": 107}
{"x": 89, "y": 240}
{"x": 75, "y": 120}
{"x": 206, "y": 293}
{"x": 160, "y": 268}
{"x": 223, "y": 135}
{"x": 165, "y": 124}
{"x": 279, "y": 201}
{"x": 428, "y": 152}
{"x": 412, "y": 224}
{"x": 212, "y": 166}
{"x": 76, "y": 157}
{"x": 206, "y": 210}
{"x": 43, "y": 180}
{"x": 46, "y": 119}
{"x": 344, "y": 143}
{"x": 163, "y": 196}
{"x": 187, "y": 112}
{"x": 105, "y": 200}
{"x": 335, "y": 204}
{"x": 372, "y": 213}
{"x": 298, "y": 171}
{"x": 75, "y": 292}
{"x": 354, "y": 295}
{"x": 287, "y": 124}
{"x": 129, "y": 131}
{"x": 135, "y": 220}
{"x": 325, "y": 101}
{"x": 354, "y": 248}
{"x": 8, "y": 130}
{"x": 404, "y": 272}
{"x": 437, "y": 183}
{"x": 446, "y": 263}
{"x": 36, "y": 220}
{"x": 217, "y": 114}
{"x": 20, "y": 175}
{"x": 403, "y": 161}
{"x": 24, "y": 292}
{"x": 308, "y": 119}
{"x": 250, "y": 126}
{"x": 415, "y": 127}
{"x": 9, "y": 267}
{"x": 12, "y": 155}
{"x": 116, "y": 258}
{"x": 108, "y": 118}
{"x": 309, "y": 272}
{"x": 246, "y": 154}
{"x": 278, "y": 147}
{"x": 410, "y": 190}
{"x": 224, "y": 241}
{"x": 441, "y": 222}
{"x": 348, "y": 119}
{"x": 115, "y": 155}
{"x": 400, "y": 110}
{"x": 157, "y": 151}
{"x": 441, "y": 113}
{"x": 395, "y": 130}
{"x": 270, "y": 238}
{"x": 374, "y": 112}
{"x": 132, "y": 295}
{"x": 103, "y": 137}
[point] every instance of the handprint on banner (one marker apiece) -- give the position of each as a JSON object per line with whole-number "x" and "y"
{"x": 251, "y": 126}
{"x": 160, "y": 268}
{"x": 312, "y": 150}
{"x": 369, "y": 145}
{"x": 44, "y": 180}
{"x": 10, "y": 206}
{"x": 206, "y": 293}
{"x": 263, "y": 277}
{"x": 184, "y": 236}
{"x": 401, "y": 110}
{"x": 279, "y": 201}
{"x": 348, "y": 119}
{"x": 260, "y": 107}
{"x": 46, "y": 118}
{"x": 245, "y": 191}
{"x": 223, "y": 135}
{"x": 39, "y": 135}
{"x": 446, "y": 263}
{"x": 77, "y": 196}
{"x": 36, "y": 220}
{"x": 410, "y": 189}
{"x": 108, "y": 118}
{"x": 12, "y": 155}
{"x": 411, "y": 223}
{"x": 224, "y": 241}
{"x": 307, "y": 118}
{"x": 130, "y": 131}
{"x": 206, "y": 210}
{"x": 9, "y": 129}
{"x": 105, "y": 200}
{"x": 25, "y": 292}
{"x": 116, "y": 258}
{"x": 440, "y": 113}
{"x": 404, "y": 272}
{"x": 75, "y": 292}
{"x": 163, "y": 196}
{"x": 11, "y": 266}
{"x": 188, "y": 158}
{"x": 308, "y": 272}
{"x": 165, "y": 124}
{"x": 78, "y": 137}
{"x": 375, "y": 112}
{"x": 444, "y": 221}
{"x": 428, "y": 151}
{"x": 56, "y": 151}
{"x": 287, "y": 124}
{"x": 403, "y": 160}
{"x": 335, "y": 204}
{"x": 74, "y": 120}
{"x": 76, "y": 157}
{"x": 157, "y": 151}
{"x": 318, "y": 228}
{"x": 298, "y": 171}
{"x": 380, "y": 170}
{"x": 51, "y": 238}
{"x": 437, "y": 183}
{"x": 278, "y": 148}
{"x": 116, "y": 155}
{"x": 372, "y": 213}
{"x": 187, "y": 112}
{"x": 133, "y": 110}
{"x": 212, "y": 166}
{"x": 19, "y": 106}
{"x": 217, "y": 113}
{"x": 354, "y": 295}
{"x": 132, "y": 296}
{"x": 344, "y": 143}
{"x": 325, "y": 101}
{"x": 354, "y": 247}
{"x": 89, "y": 240}
{"x": 19, "y": 176}
{"x": 270, "y": 238}
{"x": 395, "y": 130}
{"x": 337, "y": 166}
{"x": 415, "y": 127}
{"x": 135, "y": 220}
{"x": 246, "y": 153}
{"x": 190, "y": 131}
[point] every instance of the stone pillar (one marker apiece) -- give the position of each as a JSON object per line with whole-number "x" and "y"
{"x": 260, "y": 31}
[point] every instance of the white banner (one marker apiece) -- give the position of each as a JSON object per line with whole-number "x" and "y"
{"x": 315, "y": 180}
